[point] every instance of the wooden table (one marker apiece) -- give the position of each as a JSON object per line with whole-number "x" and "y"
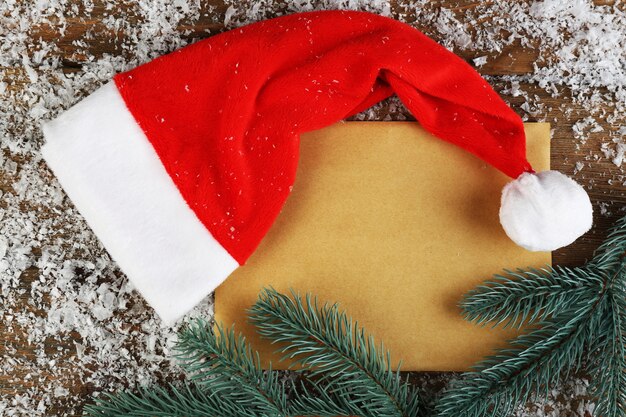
{"x": 566, "y": 151}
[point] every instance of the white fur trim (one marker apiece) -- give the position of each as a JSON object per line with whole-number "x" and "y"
{"x": 545, "y": 211}
{"x": 114, "y": 177}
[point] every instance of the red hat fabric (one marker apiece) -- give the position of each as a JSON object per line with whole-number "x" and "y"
{"x": 181, "y": 165}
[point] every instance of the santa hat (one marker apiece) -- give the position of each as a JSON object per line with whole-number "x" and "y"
{"x": 181, "y": 165}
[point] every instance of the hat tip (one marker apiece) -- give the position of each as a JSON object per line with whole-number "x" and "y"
{"x": 545, "y": 211}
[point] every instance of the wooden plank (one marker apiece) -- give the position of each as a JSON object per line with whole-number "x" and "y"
{"x": 82, "y": 38}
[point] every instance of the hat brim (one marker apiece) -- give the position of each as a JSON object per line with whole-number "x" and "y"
{"x": 116, "y": 180}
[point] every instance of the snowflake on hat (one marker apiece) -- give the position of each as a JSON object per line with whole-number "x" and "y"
{"x": 181, "y": 165}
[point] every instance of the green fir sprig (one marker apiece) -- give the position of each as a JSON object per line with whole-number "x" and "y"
{"x": 335, "y": 350}
{"x": 575, "y": 316}
{"x": 225, "y": 363}
{"x": 187, "y": 400}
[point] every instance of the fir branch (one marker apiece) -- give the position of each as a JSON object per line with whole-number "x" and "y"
{"x": 185, "y": 401}
{"x": 330, "y": 345}
{"x": 534, "y": 362}
{"x": 225, "y": 363}
{"x": 316, "y": 400}
{"x": 522, "y": 297}
{"x": 594, "y": 329}
{"x": 610, "y": 255}
{"x": 608, "y": 359}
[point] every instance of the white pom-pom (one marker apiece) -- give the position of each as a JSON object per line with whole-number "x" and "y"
{"x": 545, "y": 211}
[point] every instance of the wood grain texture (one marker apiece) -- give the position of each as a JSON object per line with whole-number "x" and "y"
{"x": 82, "y": 38}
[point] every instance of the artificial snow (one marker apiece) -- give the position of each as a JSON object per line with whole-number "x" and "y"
{"x": 70, "y": 321}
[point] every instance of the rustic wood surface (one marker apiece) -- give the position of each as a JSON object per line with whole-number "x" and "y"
{"x": 513, "y": 60}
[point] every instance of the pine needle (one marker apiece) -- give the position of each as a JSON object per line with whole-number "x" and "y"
{"x": 518, "y": 298}
{"x": 185, "y": 401}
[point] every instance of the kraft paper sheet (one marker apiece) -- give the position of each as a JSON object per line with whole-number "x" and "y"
{"x": 395, "y": 225}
